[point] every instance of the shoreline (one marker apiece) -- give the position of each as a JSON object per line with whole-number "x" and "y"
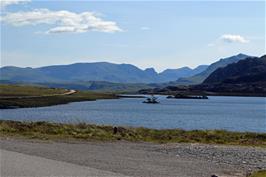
{"x": 43, "y": 101}
{"x": 4, "y": 103}
{"x": 126, "y": 126}
{"x": 208, "y": 94}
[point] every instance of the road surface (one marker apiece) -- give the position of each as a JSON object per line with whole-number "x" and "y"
{"x": 18, "y": 164}
{"x": 38, "y": 158}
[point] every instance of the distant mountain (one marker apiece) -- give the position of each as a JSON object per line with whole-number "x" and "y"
{"x": 250, "y": 70}
{"x": 11, "y": 73}
{"x": 110, "y": 72}
{"x": 200, "y": 77}
{"x": 100, "y": 71}
{"x": 247, "y": 77}
{"x": 174, "y": 74}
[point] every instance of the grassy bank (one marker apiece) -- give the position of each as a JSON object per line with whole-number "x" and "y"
{"x": 14, "y": 96}
{"x": 7, "y": 90}
{"x": 259, "y": 174}
{"x": 45, "y": 130}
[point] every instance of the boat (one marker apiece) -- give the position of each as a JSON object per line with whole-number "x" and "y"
{"x": 151, "y": 100}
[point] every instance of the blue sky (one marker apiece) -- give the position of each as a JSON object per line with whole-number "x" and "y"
{"x": 147, "y": 34}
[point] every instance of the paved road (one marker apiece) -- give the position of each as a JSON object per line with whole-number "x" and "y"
{"x": 137, "y": 159}
{"x": 17, "y": 164}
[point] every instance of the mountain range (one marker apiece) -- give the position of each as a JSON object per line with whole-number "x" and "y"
{"x": 246, "y": 77}
{"x": 110, "y": 72}
{"x": 174, "y": 74}
{"x": 100, "y": 71}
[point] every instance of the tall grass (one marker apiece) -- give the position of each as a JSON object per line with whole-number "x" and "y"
{"x": 46, "y": 130}
{"x": 261, "y": 173}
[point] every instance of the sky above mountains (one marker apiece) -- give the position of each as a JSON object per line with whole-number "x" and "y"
{"x": 147, "y": 34}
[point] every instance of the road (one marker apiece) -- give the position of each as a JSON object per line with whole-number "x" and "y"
{"x": 69, "y": 92}
{"x": 127, "y": 158}
{"x": 18, "y": 164}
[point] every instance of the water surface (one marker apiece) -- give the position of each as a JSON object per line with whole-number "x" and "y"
{"x": 230, "y": 113}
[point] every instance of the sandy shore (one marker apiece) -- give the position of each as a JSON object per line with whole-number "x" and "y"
{"x": 146, "y": 159}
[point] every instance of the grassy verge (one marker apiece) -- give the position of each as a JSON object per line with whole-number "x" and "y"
{"x": 45, "y": 98}
{"x": 259, "y": 174}
{"x": 82, "y": 131}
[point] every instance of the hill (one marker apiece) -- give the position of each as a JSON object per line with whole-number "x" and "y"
{"x": 250, "y": 70}
{"x": 200, "y": 77}
{"x": 245, "y": 78}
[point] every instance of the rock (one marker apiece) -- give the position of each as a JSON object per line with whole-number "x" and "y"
{"x": 115, "y": 130}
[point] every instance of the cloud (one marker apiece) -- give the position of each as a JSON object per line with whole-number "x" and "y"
{"x": 5, "y": 3}
{"x": 61, "y": 21}
{"x": 230, "y": 38}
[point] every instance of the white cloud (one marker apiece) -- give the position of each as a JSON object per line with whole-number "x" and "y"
{"x": 5, "y": 3}
{"x": 230, "y": 38}
{"x": 61, "y": 21}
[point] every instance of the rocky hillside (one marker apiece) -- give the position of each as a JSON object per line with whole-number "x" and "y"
{"x": 250, "y": 70}
{"x": 246, "y": 77}
{"x": 199, "y": 78}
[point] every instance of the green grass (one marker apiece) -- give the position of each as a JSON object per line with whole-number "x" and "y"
{"x": 46, "y": 99}
{"x": 259, "y": 174}
{"x": 20, "y": 90}
{"x": 82, "y": 131}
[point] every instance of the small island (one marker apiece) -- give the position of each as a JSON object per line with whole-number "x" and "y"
{"x": 182, "y": 96}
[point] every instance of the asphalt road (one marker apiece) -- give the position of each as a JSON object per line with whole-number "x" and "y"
{"x": 17, "y": 164}
{"x": 20, "y": 157}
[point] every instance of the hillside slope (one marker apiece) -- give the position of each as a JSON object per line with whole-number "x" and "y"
{"x": 245, "y": 78}
{"x": 250, "y": 70}
{"x": 199, "y": 78}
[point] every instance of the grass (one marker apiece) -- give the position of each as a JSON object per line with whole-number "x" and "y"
{"x": 46, "y": 99}
{"x": 259, "y": 174}
{"x": 82, "y": 131}
{"x": 7, "y": 90}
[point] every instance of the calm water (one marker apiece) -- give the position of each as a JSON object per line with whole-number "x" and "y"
{"x": 230, "y": 113}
